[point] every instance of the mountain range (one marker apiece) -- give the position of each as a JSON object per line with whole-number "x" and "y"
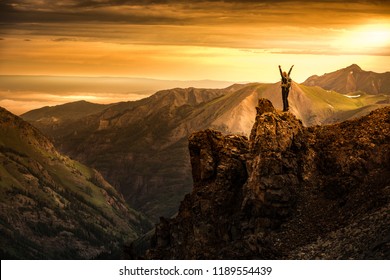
{"x": 75, "y": 84}
{"x": 20, "y": 94}
{"x": 140, "y": 147}
{"x": 52, "y": 207}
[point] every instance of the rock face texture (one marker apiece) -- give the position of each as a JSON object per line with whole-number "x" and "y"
{"x": 287, "y": 192}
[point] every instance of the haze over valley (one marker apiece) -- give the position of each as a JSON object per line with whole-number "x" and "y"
{"x": 20, "y": 94}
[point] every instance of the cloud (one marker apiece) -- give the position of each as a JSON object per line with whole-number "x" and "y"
{"x": 333, "y": 52}
{"x": 64, "y": 39}
{"x": 165, "y": 38}
{"x": 229, "y": 23}
{"x": 159, "y": 12}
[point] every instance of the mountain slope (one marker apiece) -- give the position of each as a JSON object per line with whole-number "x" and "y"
{"x": 53, "y": 207}
{"x": 287, "y": 192}
{"x": 136, "y": 152}
{"x": 352, "y": 79}
{"x": 141, "y": 147}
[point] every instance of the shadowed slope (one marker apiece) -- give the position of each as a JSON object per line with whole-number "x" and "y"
{"x": 52, "y": 207}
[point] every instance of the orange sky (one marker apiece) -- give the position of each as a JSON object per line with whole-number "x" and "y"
{"x": 174, "y": 39}
{"x": 228, "y": 40}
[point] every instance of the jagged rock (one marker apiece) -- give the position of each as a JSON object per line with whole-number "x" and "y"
{"x": 273, "y": 165}
{"x": 287, "y": 192}
{"x": 219, "y": 172}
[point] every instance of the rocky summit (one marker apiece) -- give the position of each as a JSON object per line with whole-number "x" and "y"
{"x": 287, "y": 192}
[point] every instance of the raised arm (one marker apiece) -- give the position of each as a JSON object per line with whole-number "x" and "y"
{"x": 280, "y": 70}
{"x": 289, "y": 72}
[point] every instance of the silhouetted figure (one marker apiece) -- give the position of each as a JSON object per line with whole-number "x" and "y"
{"x": 285, "y": 84}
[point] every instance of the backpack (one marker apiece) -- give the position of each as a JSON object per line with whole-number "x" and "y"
{"x": 288, "y": 82}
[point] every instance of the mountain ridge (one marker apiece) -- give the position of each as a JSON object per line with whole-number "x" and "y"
{"x": 65, "y": 112}
{"x": 352, "y": 79}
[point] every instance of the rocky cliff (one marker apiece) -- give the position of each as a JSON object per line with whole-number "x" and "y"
{"x": 287, "y": 192}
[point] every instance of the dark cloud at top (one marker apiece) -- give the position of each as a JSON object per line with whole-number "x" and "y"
{"x": 233, "y": 23}
{"x": 170, "y": 11}
{"x": 89, "y": 11}
{"x": 94, "y": 3}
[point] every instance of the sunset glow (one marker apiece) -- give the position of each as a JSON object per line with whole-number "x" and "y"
{"x": 370, "y": 39}
{"x": 237, "y": 41}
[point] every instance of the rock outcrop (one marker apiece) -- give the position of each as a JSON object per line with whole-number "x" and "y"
{"x": 287, "y": 192}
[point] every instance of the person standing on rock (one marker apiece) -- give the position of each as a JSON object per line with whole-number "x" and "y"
{"x": 285, "y": 84}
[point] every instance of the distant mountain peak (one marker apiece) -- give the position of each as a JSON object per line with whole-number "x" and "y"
{"x": 80, "y": 102}
{"x": 354, "y": 67}
{"x": 352, "y": 79}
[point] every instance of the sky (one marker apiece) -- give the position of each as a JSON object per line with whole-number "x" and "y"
{"x": 231, "y": 40}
